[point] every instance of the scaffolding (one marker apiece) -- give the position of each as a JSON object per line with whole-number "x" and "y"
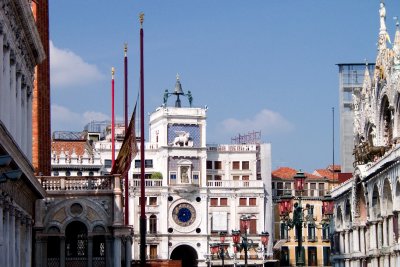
{"x": 253, "y": 137}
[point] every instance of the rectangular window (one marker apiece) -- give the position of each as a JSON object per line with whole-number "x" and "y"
{"x": 218, "y": 177}
{"x": 236, "y": 177}
{"x": 284, "y": 231}
{"x": 148, "y": 163}
{"x": 152, "y": 201}
{"x": 107, "y": 163}
{"x": 209, "y": 177}
{"x": 284, "y": 256}
{"x": 153, "y": 251}
{"x": 252, "y": 201}
{"x": 213, "y": 202}
{"x": 245, "y": 178}
{"x": 279, "y": 189}
{"x": 306, "y": 193}
{"x": 253, "y": 227}
{"x": 140, "y": 200}
{"x": 245, "y": 165}
{"x": 312, "y": 256}
{"x": 235, "y": 165}
{"x": 137, "y": 163}
{"x": 195, "y": 178}
{"x": 311, "y": 232}
{"x": 209, "y": 165}
{"x": 242, "y": 201}
{"x": 325, "y": 232}
{"x": 313, "y": 186}
{"x": 288, "y": 188}
{"x": 321, "y": 189}
{"x": 223, "y": 201}
{"x": 172, "y": 178}
{"x": 327, "y": 256}
{"x": 217, "y": 165}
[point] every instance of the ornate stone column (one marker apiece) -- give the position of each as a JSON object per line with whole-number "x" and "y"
{"x": 385, "y": 232}
{"x": 18, "y": 246}
{"x": 356, "y": 239}
{"x": 346, "y": 241}
{"x": 128, "y": 251}
{"x": 390, "y": 231}
{"x": 90, "y": 251}
{"x": 380, "y": 234}
{"x": 28, "y": 150}
{"x": 373, "y": 241}
{"x": 28, "y": 242}
{"x": 2, "y": 245}
{"x": 2, "y": 93}
{"x": 18, "y": 108}
{"x": 117, "y": 251}
{"x": 6, "y": 85}
{"x": 12, "y": 236}
{"x": 62, "y": 251}
{"x": 341, "y": 241}
{"x": 362, "y": 239}
{"x": 13, "y": 98}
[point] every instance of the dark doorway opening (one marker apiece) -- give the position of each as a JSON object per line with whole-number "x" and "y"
{"x": 186, "y": 254}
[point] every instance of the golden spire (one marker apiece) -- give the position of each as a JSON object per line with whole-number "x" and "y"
{"x": 141, "y": 18}
{"x": 112, "y": 72}
{"x": 125, "y": 49}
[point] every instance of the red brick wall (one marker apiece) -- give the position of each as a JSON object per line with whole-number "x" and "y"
{"x": 41, "y": 129}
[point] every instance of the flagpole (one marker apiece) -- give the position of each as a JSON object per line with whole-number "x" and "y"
{"x": 112, "y": 119}
{"x": 142, "y": 157}
{"x": 126, "y": 183}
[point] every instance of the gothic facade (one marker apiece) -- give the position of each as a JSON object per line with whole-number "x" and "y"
{"x": 367, "y": 206}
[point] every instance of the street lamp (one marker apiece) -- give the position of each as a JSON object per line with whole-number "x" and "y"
{"x": 220, "y": 248}
{"x": 286, "y": 206}
{"x": 246, "y": 243}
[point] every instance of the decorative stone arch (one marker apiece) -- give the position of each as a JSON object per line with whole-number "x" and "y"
{"x": 186, "y": 253}
{"x": 387, "y": 200}
{"x": 339, "y": 218}
{"x": 360, "y": 210}
{"x": 347, "y": 211}
{"x": 385, "y": 122}
{"x": 397, "y": 196}
{"x": 85, "y": 210}
{"x": 396, "y": 122}
{"x": 375, "y": 203}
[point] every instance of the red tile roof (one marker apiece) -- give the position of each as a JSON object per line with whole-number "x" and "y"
{"x": 288, "y": 174}
{"x": 70, "y": 146}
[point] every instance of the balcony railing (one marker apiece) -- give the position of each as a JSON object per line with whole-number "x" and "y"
{"x": 235, "y": 183}
{"x": 73, "y": 183}
{"x": 147, "y": 182}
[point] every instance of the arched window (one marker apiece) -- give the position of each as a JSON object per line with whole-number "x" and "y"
{"x": 153, "y": 224}
{"x": 67, "y": 173}
{"x": 76, "y": 242}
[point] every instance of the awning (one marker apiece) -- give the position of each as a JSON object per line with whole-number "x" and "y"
{"x": 279, "y": 244}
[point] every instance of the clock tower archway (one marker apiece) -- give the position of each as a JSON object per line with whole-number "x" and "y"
{"x": 186, "y": 254}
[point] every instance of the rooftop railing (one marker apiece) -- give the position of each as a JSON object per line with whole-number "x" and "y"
{"x": 77, "y": 183}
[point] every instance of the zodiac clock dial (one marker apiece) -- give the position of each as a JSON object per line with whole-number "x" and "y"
{"x": 184, "y": 214}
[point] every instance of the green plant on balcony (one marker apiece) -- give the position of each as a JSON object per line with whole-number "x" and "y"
{"x": 156, "y": 175}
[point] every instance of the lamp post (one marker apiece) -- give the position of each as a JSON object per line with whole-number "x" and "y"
{"x": 286, "y": 206}
{"x": 246, "y": 243}
{"x": 220, "y": 248}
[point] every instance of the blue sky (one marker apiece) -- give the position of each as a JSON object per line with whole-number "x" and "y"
{"x": 264, "y": 65}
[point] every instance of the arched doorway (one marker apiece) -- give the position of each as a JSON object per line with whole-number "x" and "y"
{"x": 76, "y": 245}
{"x": 186, "y": 254}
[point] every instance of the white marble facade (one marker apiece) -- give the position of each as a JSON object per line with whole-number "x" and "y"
{"x": 20, "y": 51}
{"x": 367, "y": 206}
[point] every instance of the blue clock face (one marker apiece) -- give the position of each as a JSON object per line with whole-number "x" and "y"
{"x": 184, "y": 214}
